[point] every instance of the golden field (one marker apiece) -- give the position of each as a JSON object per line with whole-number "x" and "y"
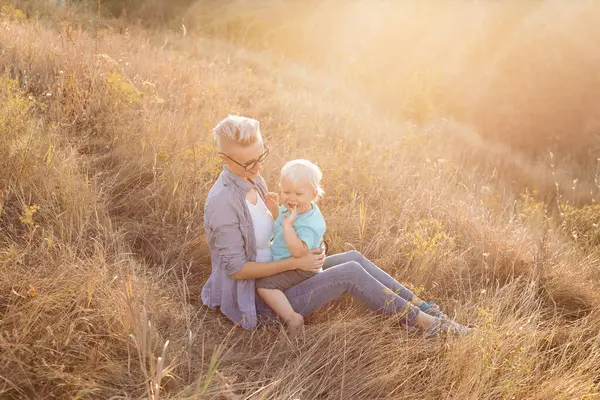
{"x": 459, "y": 147}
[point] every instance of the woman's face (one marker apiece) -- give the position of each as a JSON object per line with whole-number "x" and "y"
{"x": 244, "y": 161}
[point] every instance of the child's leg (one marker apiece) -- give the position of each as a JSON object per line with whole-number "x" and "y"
{"x": 282, "y": 307}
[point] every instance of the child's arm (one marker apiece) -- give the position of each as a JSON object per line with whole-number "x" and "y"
{"x": 294, "y": 244}
{"x": 272, "y": 203}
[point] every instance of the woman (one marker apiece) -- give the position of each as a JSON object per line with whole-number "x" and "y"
{"x": 240, "y": 253}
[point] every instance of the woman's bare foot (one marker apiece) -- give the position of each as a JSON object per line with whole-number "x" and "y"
{"x": 295, "y": 324}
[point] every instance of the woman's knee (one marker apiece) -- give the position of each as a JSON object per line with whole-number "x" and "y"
{"x": 351, "y": 270}
{"x": 355, "y": 255}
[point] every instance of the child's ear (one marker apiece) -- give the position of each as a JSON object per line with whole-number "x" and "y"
{"x": 315, "y": 194}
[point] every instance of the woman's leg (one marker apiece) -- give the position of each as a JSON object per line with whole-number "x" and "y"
{"x": 372, "y": 269}
{"x": 351, "y": 277}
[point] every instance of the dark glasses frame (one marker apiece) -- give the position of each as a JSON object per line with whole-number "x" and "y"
{"x": 252, "y": 163}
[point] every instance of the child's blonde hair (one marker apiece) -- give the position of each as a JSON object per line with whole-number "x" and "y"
{"x": 301, "y": 171}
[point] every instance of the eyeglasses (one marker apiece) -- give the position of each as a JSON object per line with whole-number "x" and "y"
{"x": 252, "y": 163}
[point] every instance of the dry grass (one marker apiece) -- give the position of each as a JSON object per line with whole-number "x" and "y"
{"x": 521, "y": 72}
{"x": 105, "y": 160}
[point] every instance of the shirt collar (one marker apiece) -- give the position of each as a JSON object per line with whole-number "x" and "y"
{"x": 241, "y": 183}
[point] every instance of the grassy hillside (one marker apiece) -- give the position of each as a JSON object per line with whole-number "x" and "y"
{"x": 106, "y": 158}
{"x": 520, "y": 71}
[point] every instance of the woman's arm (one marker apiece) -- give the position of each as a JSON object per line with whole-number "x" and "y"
{"x": 312, "y": 262}
{"x": 256, "y": 270}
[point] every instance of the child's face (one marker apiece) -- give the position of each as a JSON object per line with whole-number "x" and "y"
{"x": 299, "y": 195}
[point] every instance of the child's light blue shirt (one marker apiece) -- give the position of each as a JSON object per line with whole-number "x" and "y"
{"x": 310, "y": 228}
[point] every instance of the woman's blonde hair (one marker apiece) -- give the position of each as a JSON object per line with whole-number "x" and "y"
{"x": 236, "y": 129}
{"x": 297, "y": 171}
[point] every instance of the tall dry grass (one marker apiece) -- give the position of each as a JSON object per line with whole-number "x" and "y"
{"x": 521, "y": 72}
{"x": 106, "y": 160}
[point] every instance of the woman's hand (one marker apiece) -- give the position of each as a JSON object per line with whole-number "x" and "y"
{"x": 288, "y": 220}
{"x": 311, "y": 262}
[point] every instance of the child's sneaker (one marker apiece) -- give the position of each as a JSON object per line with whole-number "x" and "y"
{"x": 448, "y": 326}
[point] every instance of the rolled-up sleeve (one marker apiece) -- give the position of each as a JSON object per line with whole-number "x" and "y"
{"x": 228, "y": 238}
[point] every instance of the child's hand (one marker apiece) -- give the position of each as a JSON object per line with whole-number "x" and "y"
{"x": 288, "y": 220}
{"x": 272, "y": 200}
{"x": 272, "y": 203}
